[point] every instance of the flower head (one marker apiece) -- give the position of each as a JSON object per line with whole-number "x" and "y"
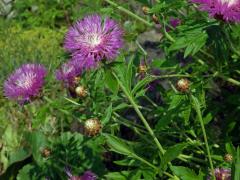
{"x": 93, "y": 39}
{"x": 222, "y": 174}
{"x": 25, "y": 83}
{"x": 68, "y": 72}
{"x": 227, "y": 10}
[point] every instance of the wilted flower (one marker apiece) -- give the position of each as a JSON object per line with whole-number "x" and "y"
{"x": 88, "y": 175}
{"x": 93, "y": 39}
{"x": 68, "y": 72}
{"x": 25, "y": 83}
{"x": 227, "y": 10}
{"x": 222, "y": 174}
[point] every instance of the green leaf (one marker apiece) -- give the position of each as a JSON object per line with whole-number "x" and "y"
{"x": 176, "y": 100}
{"x": 193, "y": 40}
{"x": 185, "y": 114}
{"x": 237, "y": 165}
{"x": 108, "y": 115}
{"x": 129, "y": 74}
{"x": 24, "y": 173}
{"x": 111, "y": 82}
{"x": 207, "y": 118}
{"x": 172, "y": 153}
{"x": 186, "y": 173}
{"x": 122, "y": 175}
{"x": 230, "y": 148}
{"x": 37, "y": 141}
{"x": 141, "y": 84}
{"x": 18, "y": 155}
{"x": 119, "y": 145}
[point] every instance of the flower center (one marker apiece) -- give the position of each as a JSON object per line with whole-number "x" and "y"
{"x": 229, "y": 2}
{"x": 26, "y": 80}
{"x": 93, "y": 39}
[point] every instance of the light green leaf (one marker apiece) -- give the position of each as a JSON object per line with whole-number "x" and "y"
{"x": 185, "y": 173}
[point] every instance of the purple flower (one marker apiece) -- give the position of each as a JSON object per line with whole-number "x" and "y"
{"x": 93, "y": 39}
{"x": 68, "y": 72}
{"x": 88, "y": 175}
{"x": 25, "y": 83}
{"x": 222, "y": 174}
{"x": 227, "y": 10}
{"x": 174, "y": 22}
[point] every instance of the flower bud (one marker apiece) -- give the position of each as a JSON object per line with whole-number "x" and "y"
{"x": 142, "y": 69}
{"x": 155, "y": 19}
{"x": 81, "y": 91}
{"x": 92, "y": 127}
{"x": 46, "y": 152}
{"x": 228, "y": 158}
{"x": 183, "y": 85}
{"x": 145, "y": 9}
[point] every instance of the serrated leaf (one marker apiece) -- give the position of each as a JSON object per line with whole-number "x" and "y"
{"x": 186, "y": 114}
{"x": 176, "y": 100}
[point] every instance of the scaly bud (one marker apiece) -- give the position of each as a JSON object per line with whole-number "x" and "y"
{"x": 81, "y": 91}
{"x": 92, "y": 127}
{"x": 183, "y": 85}
{"x": 145, "y": 10}
{"x": 228, "y": 158}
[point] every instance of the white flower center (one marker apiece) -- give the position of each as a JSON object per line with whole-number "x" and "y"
{"x": 26, "y": 80}
{"x": 229, "y": 2}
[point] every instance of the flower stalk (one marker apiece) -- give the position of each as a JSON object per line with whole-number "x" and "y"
{"x": 199, "y": 116}
{"x": 120, "y": 8}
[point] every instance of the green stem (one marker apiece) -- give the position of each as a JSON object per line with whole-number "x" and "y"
{"x": 199, "y": 115}
{"x": 231, "y": 80}
{"x": 217, "y": 74}
{"x": 171, "y": 76}
{"x": 144, "y": 121}
{"x": 120, "y": 8}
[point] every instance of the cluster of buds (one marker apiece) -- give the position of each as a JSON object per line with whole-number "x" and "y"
{"x": 183, "y": 85}
{"x": 92, "y": 127}
{"x": 145, "y": 11}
